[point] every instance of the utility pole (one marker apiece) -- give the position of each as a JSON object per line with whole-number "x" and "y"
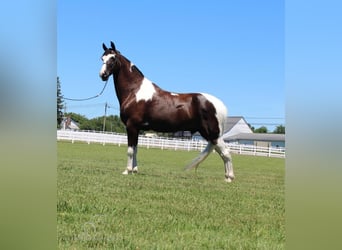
{"x": 104, "y": 118}
{"x": 64, "y": 117}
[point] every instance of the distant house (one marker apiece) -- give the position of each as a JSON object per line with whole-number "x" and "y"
{"x": 238, "y": 131}
{"x": 69, "y": 124}
{"x": 257, "y": 139}
{"x": 236, "y": 125}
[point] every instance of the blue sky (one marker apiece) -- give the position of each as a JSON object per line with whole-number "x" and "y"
{"x": 231, "y": 49}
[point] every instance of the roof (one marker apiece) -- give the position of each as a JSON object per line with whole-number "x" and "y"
{"x": 231, "y": 121}
{"x": 68, "y": 123}
{"x": 256, "y": 137}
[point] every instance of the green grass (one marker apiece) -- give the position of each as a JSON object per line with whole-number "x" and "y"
{"x": 165, "y": 207}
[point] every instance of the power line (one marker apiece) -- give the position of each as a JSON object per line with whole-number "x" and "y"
{"x": 264, "y": 118}
{"x": 93, "y": 105}
{"x": 266, "y": 124}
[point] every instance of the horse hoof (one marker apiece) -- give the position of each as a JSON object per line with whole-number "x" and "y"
{"x": 228, "y": 180}
{"x": 135, "y": 170}
{"x": 125, "y": 172}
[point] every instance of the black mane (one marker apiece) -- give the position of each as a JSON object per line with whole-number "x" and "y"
{"x": 135, "y": 68}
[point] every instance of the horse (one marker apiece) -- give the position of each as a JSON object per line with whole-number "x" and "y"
{"x": 145, "y": 106}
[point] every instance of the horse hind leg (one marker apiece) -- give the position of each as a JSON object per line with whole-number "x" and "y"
{"x": 223, "y": 150}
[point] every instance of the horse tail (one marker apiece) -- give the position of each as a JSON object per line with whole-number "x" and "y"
{"x": 202, "y": 156}
{"x": 221, "y": 112}
{"x": 224, "y": 123}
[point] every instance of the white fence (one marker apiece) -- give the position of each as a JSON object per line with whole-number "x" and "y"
{"x": 163, "y": 143}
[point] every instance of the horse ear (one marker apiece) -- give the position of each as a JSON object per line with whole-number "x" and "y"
{"x": 112, "y": 45}
{"x": 104, "y": 47}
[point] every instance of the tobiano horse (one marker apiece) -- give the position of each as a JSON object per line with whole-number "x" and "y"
{"x": 145, "y": 106}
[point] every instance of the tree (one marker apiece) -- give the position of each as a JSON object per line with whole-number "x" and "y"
{"x": 262, "y": 129}
{"x": 60, "y": 104}
{"x": 279, "y": 130}
{"x": 113, "y": 123}
{"x": 251, "y": 127}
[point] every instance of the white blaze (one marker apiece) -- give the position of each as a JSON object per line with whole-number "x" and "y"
{"x": 146, "y": 91}
{"x": 221, "y": 110}
{"x": 107, "y": 57}
{"x": 105, "y": 60}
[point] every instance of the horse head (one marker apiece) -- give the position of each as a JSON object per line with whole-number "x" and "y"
{"x": 110, "y": 61}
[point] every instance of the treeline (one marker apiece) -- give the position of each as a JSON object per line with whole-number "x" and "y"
{"x": 280, "y": 129}
{"x": 112, "y": 123}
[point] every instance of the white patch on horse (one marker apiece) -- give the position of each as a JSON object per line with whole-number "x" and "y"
{"x": 103, "y": 69}
{"x": 130, "y": 67}
{"x": 146, "y": 91}
{"x": 221, "y": 110}
{"x": 105, "y": 60}
{"x": 174, "y": 94}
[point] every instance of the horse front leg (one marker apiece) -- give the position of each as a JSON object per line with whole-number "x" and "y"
{"x": 132, "y": 163}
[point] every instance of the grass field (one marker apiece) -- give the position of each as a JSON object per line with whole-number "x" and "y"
{"x": 165, "y": 207}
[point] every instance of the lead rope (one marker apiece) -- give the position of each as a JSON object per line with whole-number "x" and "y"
{"x": 89, "y": 98}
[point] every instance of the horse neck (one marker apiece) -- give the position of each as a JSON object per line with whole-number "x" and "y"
{"x": 127, "y": 79}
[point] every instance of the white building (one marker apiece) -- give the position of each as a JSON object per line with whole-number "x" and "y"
{"x": 69, "y": 124}
{"x": 236, "y": 125}
{"x": 237, "y": 130}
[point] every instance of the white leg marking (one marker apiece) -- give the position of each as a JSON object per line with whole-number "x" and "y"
{"x": 228, "y": 180}
{"x": 132, "y": 164}
{"x": 130, "y": 153}
{"x": 223, "y": 150}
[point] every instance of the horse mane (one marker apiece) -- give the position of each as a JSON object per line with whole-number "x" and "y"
{"x": 135, "y": 68}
